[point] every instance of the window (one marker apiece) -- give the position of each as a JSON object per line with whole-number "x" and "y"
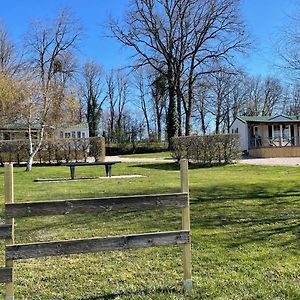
{"x": 255, "y": 131}
{"x": 286, "y": 131}
{"x": 236, "y": 130}
{"x": 78, "y": 134}
{"x": 67, "y": 135}
{"x": 61, "y": 134}
{"x": 276, "y": 131}
{"x": 73, "y": 134}
{"x": 83, "y": 135}
{"x": 6, "y": 136}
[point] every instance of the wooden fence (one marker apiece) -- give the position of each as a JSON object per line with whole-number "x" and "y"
{"x": 61, "y": 207}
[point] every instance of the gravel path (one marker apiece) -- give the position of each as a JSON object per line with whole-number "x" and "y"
{"x": 276, "y": 161}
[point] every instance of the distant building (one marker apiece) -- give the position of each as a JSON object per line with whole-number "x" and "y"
{"x": 268, "y": 136}
{"x": 18, "y": 131}
{"x": 79, "y": 131}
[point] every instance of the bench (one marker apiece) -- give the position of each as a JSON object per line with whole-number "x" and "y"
{"x": 108, "y": 166}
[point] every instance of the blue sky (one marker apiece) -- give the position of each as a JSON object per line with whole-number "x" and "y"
{"x": 263, "y": 17}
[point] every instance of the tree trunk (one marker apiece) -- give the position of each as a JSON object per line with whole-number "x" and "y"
{"x": 188, "y": 122}
{"x": 29, "y": 163}
{"x": 179, "y": 121}
{"x": 171, "y": 115}
{"x": 33, "y": 152}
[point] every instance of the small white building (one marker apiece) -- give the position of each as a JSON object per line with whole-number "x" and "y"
{"x": 268, "y": 136}
{"x": 78, "y": 131}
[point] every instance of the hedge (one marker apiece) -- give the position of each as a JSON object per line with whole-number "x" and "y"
{"x": 53, "y": 150}
{"x": 207, "y": 149}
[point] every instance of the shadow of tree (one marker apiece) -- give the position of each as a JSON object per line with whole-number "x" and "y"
{"x": 144, "y": 292}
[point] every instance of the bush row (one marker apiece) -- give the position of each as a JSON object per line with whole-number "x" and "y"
{"x": 137, "y": 148}
{"x": 207, "y": 149}
{"x": 54, "y": 150}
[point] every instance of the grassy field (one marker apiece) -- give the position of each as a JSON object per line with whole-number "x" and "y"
{"x": 245, "y": 235}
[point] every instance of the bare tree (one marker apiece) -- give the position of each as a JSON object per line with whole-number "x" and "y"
{"x": 93, "y": 94}
{"x": 180, "y": 39}
{"x": 214, "y": 31}
{"x": 159, "y": 99}
{"x": 150, "y": 29}
{"x": 221, "y": 88}
{"x": 202, "y": 104}
{"x": 142, "y": 85}
{"x": 48, "y": 45}
{"x": 10, "y": 60}
{"x": 262, "y": 96}
{"x": 117, "y": 94}
{"x": 288, "y": 46}
{"x": 111, "y": 91}
{"x": 272, "y": 93}
{"x": 122, "y": 100}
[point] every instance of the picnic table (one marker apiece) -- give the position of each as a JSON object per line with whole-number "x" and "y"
{"x": 108, "y": 166}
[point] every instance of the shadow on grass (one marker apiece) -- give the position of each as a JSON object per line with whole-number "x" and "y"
{"x": 158, "y": 166}
{"x": 227, "y": 192}
{"x": 263, "y": 234}
{"x": 174, "y": 166}
{"x": 145, "y": 292}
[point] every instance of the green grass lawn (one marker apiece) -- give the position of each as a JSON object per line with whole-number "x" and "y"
{"x": 245, "y": 235}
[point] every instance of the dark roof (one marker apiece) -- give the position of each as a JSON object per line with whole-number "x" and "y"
{"x": 76, "y": 126}
{"x": 269, "y": 119}
{"x": 15, "y": 126}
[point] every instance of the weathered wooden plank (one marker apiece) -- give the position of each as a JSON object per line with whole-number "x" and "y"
{"x": 34, "y": 250}
{"x": 62, "y": 207}
{"x": 5, "y": 275}
{"x": 5, "y": 231}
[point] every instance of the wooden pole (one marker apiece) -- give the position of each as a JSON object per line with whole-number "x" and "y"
{"x": 9, "y": 198}
{"x": 102, "y": 149}
{"x": 187, "y": 253}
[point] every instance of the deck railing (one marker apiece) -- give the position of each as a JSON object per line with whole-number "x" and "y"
{"x": 265, "y": 142}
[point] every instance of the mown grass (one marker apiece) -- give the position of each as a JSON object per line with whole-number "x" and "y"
{"x": 245, "y": 235}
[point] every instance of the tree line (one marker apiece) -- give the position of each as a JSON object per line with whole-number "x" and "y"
{"x": 184, "y": 76}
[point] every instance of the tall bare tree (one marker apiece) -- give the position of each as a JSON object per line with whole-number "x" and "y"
{"x": 48, "y": 44}
{"x": 141, "y": 83}
{"x": 11, "y": 62}
{"x": 180, "y": 39}
{"x": 159, "y": 99}
{"x": 93, "y": 94}
{"x": 117, "y": 94}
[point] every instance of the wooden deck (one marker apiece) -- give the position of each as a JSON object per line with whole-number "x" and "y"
{"x": 266, "y": 152}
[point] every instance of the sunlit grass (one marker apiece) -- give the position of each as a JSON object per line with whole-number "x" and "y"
{"x": 245, "y": 235}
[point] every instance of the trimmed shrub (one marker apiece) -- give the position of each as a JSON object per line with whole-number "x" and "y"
{"x": 207, "y": 149}
{"x": 138, "y": 148}
{"x": 53, "y": 150}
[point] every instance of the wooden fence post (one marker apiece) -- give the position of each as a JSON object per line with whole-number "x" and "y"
{"x": 9, "y": 198}
{"x": 187, "y": 253}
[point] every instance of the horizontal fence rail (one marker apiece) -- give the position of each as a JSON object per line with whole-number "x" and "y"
{"x": 5, "y": 231}
{"x": 63, "y": 207}
{"x": 35, "y": 250}
{"x": 5, "y": 275}
{"x": 97, "y": 244}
